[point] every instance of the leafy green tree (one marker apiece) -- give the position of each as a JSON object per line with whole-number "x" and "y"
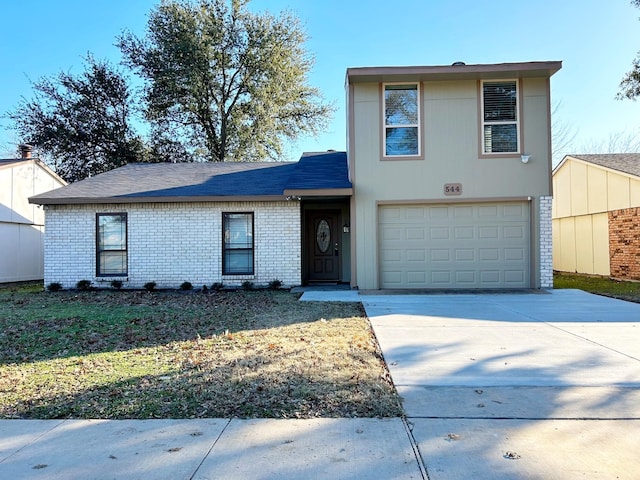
{"x": 233, "y": 83}
{"x": 630, "y": 84}
{"x": 80, "y": 123}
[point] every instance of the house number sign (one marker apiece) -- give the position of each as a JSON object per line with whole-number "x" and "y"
{"x": 452, "y": 188}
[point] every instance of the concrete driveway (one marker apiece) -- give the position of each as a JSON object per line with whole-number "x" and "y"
{"x": 516, "y": 386}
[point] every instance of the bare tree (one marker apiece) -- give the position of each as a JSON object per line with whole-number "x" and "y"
{"x": 563, "y": 134}
{"x": 617, "y": 142}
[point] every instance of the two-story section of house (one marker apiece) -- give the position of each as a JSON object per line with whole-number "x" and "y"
{"x": 451, "y": 174}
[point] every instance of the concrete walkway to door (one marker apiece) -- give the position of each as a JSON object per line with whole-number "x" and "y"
{"x": 516, "y": 386}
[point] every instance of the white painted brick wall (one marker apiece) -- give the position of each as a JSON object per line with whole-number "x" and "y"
{"x": 173, "y": 243}
{"x": 546, "y": 243}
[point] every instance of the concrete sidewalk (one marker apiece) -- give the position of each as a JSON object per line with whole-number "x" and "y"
{"x": 207, "y": 449}
{"x": 516, "y": 386}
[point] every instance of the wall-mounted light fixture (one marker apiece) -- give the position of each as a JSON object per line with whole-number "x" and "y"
{"x": 345, "y": 227}
{"x": 525, "y": 158}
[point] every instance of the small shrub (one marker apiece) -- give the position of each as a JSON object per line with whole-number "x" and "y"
{"x": 150, "y": 286}
{"x": 217, "y": 286}
{"x": 117, "y": 284}
{"x": 186, "y": 286}
{"x": 84, "y": 285}
{"x": 54, "y": 287}
{"x": 275, "y": 284}
{"x": 205, "y": 288}
{"x": 247, "y": 285}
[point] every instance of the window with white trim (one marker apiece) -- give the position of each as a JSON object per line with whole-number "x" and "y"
{"x": 500, "y": 122}
{"x": 401, "y": 111}
{"x": 237, "y": 243}
{"x": 111, "y": 244}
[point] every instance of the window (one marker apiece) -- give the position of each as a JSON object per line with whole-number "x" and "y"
{"x": 237, "y": 244}
{"x": 500, "y": 124}
{"x": 111, "y": 244}
{"x": 401, "y": 113}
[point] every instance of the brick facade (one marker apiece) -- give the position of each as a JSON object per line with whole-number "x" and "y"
{"x": 624, "y": 243}
{"x": 546, "y": 243}
{"x": 174, "y": 242}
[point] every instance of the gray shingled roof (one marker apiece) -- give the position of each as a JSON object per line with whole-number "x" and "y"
{"x": 623, "y": 162}
{"x": 145, "y": 182}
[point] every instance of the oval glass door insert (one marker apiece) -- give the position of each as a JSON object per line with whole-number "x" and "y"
{"x": 323, "y": 235}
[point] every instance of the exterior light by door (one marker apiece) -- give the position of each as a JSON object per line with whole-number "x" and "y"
{"x": 345, "y": 227}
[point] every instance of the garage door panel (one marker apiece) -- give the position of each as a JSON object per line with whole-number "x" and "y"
{"x": 488, "y": 233}
{"x": 465, "y": 255}
{"x": 439, "y": 255}
{"x": 441, "y": 278}
{"x": 391, "y": 255}
{"x": 461, "y": 233}
{"x": 415, "y": 234}
{"x": 417, "y": 277}
{"x": 455, "y": 246}
{"x": 489, "y": 254}
{"x": 416, "y": 255}
{"x": 466, "y": 277}
{"x": 512, "y": 277}
{"x": 438, "y": 212}
{"x": 514, "y": 254}
{"x": 514, "y": 231}
{"x": 490, "y": 277}
{"x": 391, "y": 233}
{"x": 462, "y": 212}
{"x": 513, "y": 211}
{"x": 488, "y": 211}
{"x": 439, "y": 233}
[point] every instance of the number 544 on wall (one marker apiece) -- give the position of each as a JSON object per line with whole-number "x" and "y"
{"x": 452, "y": 188}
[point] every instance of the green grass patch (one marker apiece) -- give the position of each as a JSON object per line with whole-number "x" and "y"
{"x": 125, "y": 354}
{"x": 597, "y": 284}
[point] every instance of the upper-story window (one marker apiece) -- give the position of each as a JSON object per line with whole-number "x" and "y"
{"x": 401, "y": 112}
{"x": 500, "y": 117}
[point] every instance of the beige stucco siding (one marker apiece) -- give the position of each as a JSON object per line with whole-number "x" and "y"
{"x": 451, "y": 147}
{"x": 583, "y": 194}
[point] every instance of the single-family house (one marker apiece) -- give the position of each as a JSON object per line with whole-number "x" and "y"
{"x": 596, "y": 215}
{"x": 445, "y": 184}
{"x": 21, "y": 223}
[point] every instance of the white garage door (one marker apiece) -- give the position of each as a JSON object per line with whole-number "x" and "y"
{"x": 457, "y": 246}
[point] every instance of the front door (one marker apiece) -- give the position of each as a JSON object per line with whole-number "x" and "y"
{"x": 323, "y": 245}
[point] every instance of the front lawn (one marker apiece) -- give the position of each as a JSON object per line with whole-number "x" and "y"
{"x": 110, "y": 354}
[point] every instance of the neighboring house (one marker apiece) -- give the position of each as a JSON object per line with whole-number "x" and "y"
{"x": 22, "y": 224}
{"x": 446, "y": 184}
{"x": 596, "y": 215}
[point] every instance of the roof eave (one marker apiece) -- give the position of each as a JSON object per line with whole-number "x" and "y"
{"x": 128, "y": 199}
{"x": 453, "y": 72}
{"x": 319, "y": 192}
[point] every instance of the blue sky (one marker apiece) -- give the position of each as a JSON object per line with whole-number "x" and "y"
{"x": 596, "y": 41}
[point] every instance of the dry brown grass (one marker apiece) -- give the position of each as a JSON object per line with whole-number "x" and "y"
{"x": 180, "y": 355}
